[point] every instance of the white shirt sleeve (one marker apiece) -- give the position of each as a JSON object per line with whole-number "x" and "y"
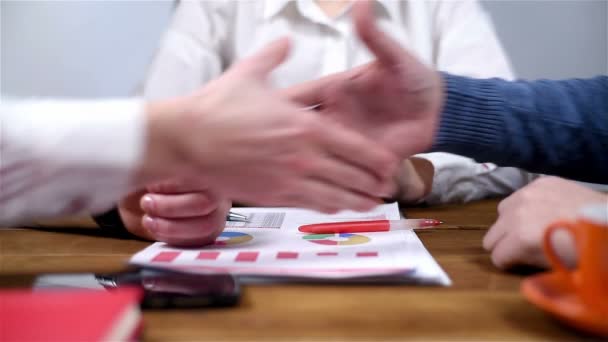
{"x": 466, "y": 44}
{"x": 66, "y": 157}
{"x": 191, "y": 52}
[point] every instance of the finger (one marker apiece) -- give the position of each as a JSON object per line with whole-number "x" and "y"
{"x": 319, "y": 195}
{"x": 267, "y": 59}
{"x": 360, "y": 151}
{"x": 308, "y": 93}
{"x": 506, "y": 253}
{"x": 494, "y": 235}
{"x": 314, "y": 92}
{"x": 197, "y": 231}
{"x": 344, "y": 175}
{"x": 179, "y": 205}
{"x": 177, "y": 186}
{"x": 133, "y": 224}
{"x": 131, "y": 213}
{"x": 511, "y": 251}
{"x": 340, "y": 100}
{"x": 387, "y": 50}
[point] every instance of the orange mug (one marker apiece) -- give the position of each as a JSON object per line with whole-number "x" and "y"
{"x": 590, "y": 276}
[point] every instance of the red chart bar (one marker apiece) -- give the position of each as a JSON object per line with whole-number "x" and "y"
{"x": 165, "y": 256}
{"x": 367, "y": 254}
{"x": 327, "y": 253}
{"x": 287, "y": 255}
{"x": 247, "y": 256}
{"x": 208, "y": 255}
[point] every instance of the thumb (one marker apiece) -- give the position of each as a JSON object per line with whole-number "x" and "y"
{"x": 387, "y": 50}
{"x": 267, "y": 59}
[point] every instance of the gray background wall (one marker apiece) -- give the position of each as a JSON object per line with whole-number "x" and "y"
{"x": 554, "y": 39}
{"x": 102, "y": 48}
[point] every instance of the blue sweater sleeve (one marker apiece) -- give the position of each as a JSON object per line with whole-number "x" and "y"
{"x": 552, "y": 127}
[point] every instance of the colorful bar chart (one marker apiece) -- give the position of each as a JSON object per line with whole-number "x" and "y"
{"x": 247, "y": 256}
{"x": 208, "y": 255}
{"x": 253, "y": 256}
{"x": 287, "y": 255}
{"x": 165, "y": 256}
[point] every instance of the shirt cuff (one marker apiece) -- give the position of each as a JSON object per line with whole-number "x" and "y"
{"x": 440, "y": 185}
{"x": 472, "y": 118}
{"x": 85, "y": 151}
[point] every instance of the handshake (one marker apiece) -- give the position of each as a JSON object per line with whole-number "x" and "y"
{"x": 330, "y": 144}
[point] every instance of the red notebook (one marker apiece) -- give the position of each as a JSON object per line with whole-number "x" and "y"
{"x": 70, "y": 315}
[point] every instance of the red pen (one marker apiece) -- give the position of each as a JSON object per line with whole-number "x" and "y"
{"x": 368, "y": 226}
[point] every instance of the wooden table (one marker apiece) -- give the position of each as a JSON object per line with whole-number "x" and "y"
{"x": 482, "y": 304}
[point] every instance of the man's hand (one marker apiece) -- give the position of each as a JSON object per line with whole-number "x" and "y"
{"x": 180, "y": 213}
{"x": 259, "y": 148}
{"x": 516, "y": 237}
{"x": 395, "y": 100}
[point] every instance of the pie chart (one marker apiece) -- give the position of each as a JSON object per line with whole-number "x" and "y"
{"x": 342, "y": 239}
{"x": 232, "y": 238}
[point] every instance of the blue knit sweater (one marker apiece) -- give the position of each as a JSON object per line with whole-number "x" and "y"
{"x": 552, "y": 127}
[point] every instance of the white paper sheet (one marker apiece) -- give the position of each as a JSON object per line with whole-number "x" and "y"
{"x": 270, "y": 246}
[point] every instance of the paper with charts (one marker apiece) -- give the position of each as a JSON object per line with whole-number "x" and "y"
{"x": 270, "y": 245}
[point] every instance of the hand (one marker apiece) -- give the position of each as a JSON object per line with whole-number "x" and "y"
{"x": 395, "y": 100}
{"x": 180, "y": 213}
{"x": 258, "y": 148}
{"x": 516, "y": 237}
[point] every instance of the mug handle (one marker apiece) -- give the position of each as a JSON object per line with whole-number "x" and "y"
{"x": 554, "y": 259}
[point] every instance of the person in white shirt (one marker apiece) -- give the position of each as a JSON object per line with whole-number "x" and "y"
{"x": 69, "y": 157}
{"x": 206, "y": 37}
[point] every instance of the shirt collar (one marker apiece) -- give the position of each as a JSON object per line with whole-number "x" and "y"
{"x": 274, "y": 7}
{"x": 390, "y": 7}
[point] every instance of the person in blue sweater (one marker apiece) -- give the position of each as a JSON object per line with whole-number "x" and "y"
{"x": 551, "y": 127}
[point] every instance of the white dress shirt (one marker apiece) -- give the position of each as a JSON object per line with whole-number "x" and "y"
{"x": 206, "y": 37}
{"x": 66, "y": 157}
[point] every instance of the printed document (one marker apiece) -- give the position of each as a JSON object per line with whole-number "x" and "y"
{"x": 270, "y": 246}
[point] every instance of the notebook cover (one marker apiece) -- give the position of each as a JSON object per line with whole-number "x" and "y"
{"x": 69, "y": 315}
